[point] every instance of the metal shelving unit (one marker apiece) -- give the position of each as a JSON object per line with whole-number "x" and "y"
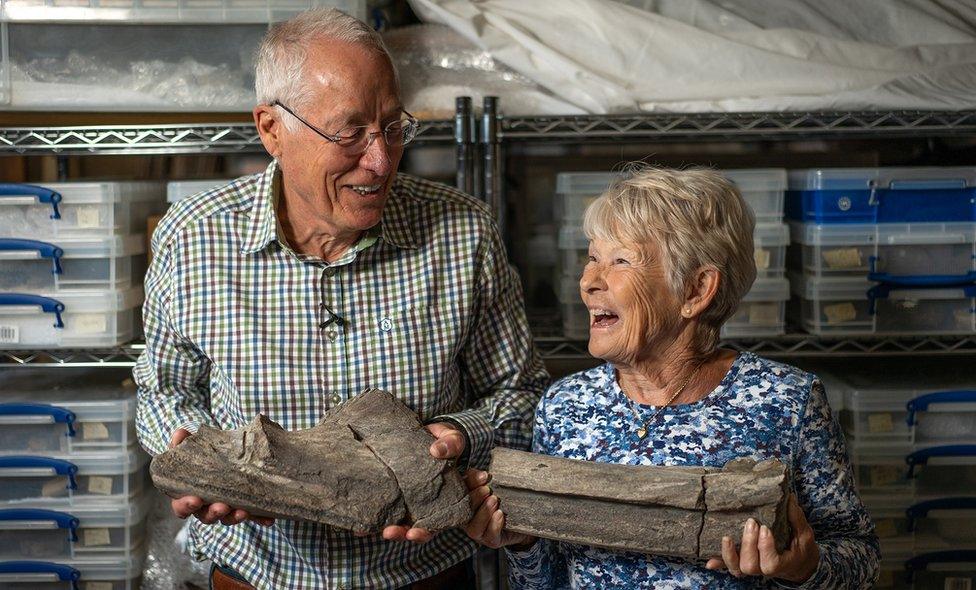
{"x": 737, "y": 126}
{"x": 159, "y": 139}
{"x": 550, "y": 347}
{"x": 479, "y": 140}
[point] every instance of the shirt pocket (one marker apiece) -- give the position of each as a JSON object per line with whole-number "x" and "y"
{"x": 411, "y": 352}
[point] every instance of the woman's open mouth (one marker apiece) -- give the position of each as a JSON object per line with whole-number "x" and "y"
{"x": 602, "y": 318}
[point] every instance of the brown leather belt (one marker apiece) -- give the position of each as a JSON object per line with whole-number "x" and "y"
{"x": 219, "y": 580}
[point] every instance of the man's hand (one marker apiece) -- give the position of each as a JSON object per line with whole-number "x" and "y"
{"x": 449, "y": 444}
{"x": 488, "y": 524}
{"x": 758, "y": 556}
{"x": 209, "y": 513}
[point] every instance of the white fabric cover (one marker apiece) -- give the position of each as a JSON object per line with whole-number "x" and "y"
{"x": 607, "y": 56}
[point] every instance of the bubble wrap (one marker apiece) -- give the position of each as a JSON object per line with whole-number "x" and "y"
{"x": 168, "y": 566}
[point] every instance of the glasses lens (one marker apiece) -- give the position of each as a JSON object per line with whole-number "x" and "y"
{"x": 400, "y": 132}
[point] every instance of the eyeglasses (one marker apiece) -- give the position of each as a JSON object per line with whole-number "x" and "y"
{"x": 357, "y": 139}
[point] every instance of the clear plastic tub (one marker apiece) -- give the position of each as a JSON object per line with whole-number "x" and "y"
{"x": 762, "y": 311}
{"x": 69, "y": 319}
{"x": 891, "y": 522}
{"x": 81, "y": 210}
{"x": 876, "y": 406}
{"x": 770, "y": 241}
{"x": 576, "y": 321}
{"x": 171, "y": 11}
{"x": 885, "y": 252}
{"x": 66, "y": 411}
{"x": 882, "y": 195}
{"x": 943, "y": 471}
{"x": 943, "y": 570}
{"x": 103, "y": 573}
{"x": 181, "y": 189}
{"x": 763, "y": 189}
{"x": 71, "y": 264}
{"x": 881, "y": 469}
{"x": 81, "y": 531}
{"x": 66, "y": 480}
{"x": 943, "y": 524}
{"x": 576, "y": 190}
{"x": 854, "y": 306}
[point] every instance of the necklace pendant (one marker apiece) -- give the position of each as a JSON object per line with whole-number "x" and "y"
{"x": 641, "y": 433}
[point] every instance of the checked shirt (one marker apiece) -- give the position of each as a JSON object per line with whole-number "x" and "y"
{"x": 237, "y": 323}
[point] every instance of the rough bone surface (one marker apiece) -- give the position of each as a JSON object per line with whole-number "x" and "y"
{"x": 678, "y": 511}
{"x": 364, "y": 466}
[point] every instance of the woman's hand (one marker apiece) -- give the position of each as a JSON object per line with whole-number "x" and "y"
{"x": 488, "y": 524}
{"x": 758, "y": 556}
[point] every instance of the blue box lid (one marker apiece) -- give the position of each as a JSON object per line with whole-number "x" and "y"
{"x": 912, "y": 178}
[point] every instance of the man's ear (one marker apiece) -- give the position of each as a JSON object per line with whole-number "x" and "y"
{"x": 700, "y": 291}
{"x": 269, "y": 127}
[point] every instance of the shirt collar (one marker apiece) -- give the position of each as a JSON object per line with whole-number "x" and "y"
{"x": 398, "y": 226}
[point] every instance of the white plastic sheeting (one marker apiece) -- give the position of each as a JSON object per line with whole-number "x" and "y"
{"x": 606, "y": 56}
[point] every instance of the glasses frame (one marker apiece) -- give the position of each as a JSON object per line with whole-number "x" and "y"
{"x": 370, "y": 135}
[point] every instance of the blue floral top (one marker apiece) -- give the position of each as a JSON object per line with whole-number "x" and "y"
{"x": 761, "y": 409}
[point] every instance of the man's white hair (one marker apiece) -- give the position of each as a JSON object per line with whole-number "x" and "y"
{"x": 280, "y": 64}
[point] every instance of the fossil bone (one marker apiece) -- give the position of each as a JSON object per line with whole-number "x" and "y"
{"x": 365, "y": 465}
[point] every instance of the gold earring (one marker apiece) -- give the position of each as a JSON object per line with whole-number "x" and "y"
{"x": 687, "y": 312}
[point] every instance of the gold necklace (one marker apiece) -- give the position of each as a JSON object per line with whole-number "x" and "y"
{"x": 642, "y": 430}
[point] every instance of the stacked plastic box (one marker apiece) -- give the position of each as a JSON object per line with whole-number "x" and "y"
{"x": 912, "y": 441}
{"x": 74, "y": 487}
{"x": 138, "y": 55}
{"x": 72, "y": 259}
{"x": 884, "y": 250}
{"x": 762, "y": 311}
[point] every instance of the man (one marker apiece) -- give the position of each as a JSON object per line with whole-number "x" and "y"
{"x": 286, "y": 293}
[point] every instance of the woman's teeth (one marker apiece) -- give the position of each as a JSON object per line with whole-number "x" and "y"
{"x": 602, "y": 317}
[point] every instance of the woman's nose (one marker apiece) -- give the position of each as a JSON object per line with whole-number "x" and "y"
{"x": 592, "y": 279}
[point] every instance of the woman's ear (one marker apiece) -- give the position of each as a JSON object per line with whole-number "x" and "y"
{"x": 700, "y": 291}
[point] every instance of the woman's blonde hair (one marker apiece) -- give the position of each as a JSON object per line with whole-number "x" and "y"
{"x": 697, "y": 218}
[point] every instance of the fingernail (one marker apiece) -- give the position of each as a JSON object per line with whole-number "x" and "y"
{"x": 752, "y": 525}
{"x": 483, "y": 477}
{"x": 492, "y": 502}
{"x": 764, "y": 531}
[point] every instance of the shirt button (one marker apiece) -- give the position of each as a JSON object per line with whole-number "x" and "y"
{"x": 336, "y": 398}
{"x": 332, "y": 335}
{"x": 330, "y": 272}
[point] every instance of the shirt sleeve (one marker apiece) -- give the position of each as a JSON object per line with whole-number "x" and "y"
{"x": 171, "y": 374}
{"x": 543, "y": 565}
{"x": 850, "y": 556}
{"x": 504, "y": 374}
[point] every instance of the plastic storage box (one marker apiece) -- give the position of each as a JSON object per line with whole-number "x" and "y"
{"x": 770, "y": 241}
{"x": 762, "y": 311}
{"x": 885, "y": 195}
{"x": 171, "y": 11}
{"x": 66, "y": 411}
{"x": 181, "y": 189}
{"x": 881, "y": 469}
{"x": 886, "y": 252}
{"x": 576, "y": 190}
{"x": 943, "y": 471}
{"x": 71, "y": 264}
{"x": 104, "y": 573}
{"x": 81, "y": 531}
{"x": 88, "y": 210}
{"x": 69, "y": 319}
{"x": 943, "y": 570}
{"x": 944, "y": 523}
{"x": 66, "y": 480}
{"x": 908, "y": 406}
{"x": 196, "y": 56}
{"x": 889, "y": 513}
{"x": 853, "y": 306}
{"x": 763, "y": 189}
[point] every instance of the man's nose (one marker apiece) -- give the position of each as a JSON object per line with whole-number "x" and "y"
{"x": 376, "y": 158}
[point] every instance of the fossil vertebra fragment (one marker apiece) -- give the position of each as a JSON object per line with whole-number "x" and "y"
{"x": 679, "y": 511}
{"x": 364, "y": 466}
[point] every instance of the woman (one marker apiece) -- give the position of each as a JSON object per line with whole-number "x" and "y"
{"x": 670, "y": 257}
